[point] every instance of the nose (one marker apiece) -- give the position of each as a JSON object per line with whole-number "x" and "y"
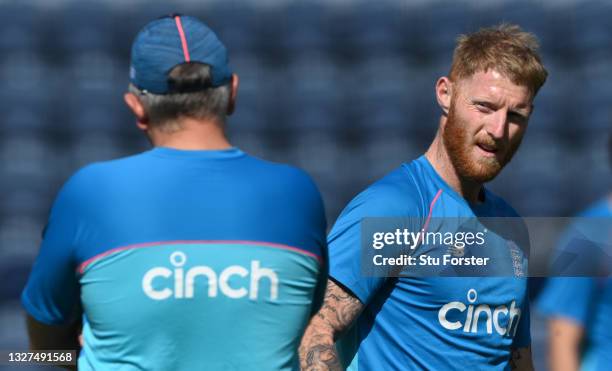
{"x": 497, "y": 125}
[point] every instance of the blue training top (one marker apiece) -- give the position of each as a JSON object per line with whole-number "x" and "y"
{"x": 431, "y": 323}
{"x": 183, "y": 260}
{"x": 586, "y": 301}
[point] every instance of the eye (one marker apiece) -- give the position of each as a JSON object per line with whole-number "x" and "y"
{"x": 517, "y": 117}
{"x": 483, "y": 107}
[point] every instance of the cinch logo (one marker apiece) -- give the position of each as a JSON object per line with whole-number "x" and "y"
{"x": 492, "y": 317}
{"x": 180, "y": 284}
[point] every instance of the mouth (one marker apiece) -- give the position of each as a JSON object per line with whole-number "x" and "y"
{"x": 487, "y": 150}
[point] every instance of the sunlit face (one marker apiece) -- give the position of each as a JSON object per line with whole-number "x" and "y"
{"x": 486, "y": 122}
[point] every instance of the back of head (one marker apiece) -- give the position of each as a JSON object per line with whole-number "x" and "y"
{"x": 191, "y": 95}
{"x": 505, "y": 48}
{"x": 179, "y": 68}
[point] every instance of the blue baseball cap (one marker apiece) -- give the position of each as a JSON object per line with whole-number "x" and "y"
{"x": 172, "y": 40}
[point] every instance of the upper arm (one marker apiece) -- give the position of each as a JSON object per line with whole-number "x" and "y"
{"x": 339, "y": 310}
{"x": 565, "y": 332}
{"x": 521, "y": 359}
{"x": 345, "y": 245}
{"x": 396, "y": 195}
{"x": 571, "y": 298}
{"x": 54, "y": 337}
{"x": 51, "y": 295}
{"x": 49, "y": 337}
{"x": 309, "y": 221}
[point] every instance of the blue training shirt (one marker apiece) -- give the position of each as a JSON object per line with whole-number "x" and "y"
{"x": 437, "y": 323}
{"x": 183, "y": 260}
{"x": 586, "y": 301}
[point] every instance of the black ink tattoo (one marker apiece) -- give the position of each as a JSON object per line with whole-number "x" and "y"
{"x": 339, "y": 310}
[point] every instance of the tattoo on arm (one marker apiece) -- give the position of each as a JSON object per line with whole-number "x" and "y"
{"x": 339, "y": 310}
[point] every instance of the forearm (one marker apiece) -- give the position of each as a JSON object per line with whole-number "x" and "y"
{"x": 564, "y": 360}
{"x": 564, "y": 343}
{"x": 317, "y": 351}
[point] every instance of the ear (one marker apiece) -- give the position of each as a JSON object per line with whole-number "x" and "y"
{"x": 444, "y": 93}
{"x": 132, "y": 101}
{"x": 231, "y": 106}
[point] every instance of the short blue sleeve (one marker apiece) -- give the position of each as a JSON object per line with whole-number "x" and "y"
{"x": 568, "y": 297}
{"x": 51, "y": 294}
{"x": 578, "y": 253}
{"x": 312, "y": 203}
{"x": 344, "y": 241}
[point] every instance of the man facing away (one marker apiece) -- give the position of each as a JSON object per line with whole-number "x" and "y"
{"x": 193, "y": 255}
{"x": 406, "y": 323}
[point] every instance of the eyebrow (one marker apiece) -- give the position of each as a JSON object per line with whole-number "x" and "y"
{"x": 520, "y": 114}
{"x": 492, "y": 102}
{"x": 523, "y": 106}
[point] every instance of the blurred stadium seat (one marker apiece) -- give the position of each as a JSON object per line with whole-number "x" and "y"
{"x": 306, "y": 68}
{"x": 19, "y": 27}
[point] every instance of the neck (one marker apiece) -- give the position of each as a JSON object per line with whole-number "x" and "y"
{"x": 439, "y": 159}
{"x": 191, "y": 134}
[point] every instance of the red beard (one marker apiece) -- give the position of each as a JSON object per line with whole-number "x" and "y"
{"x": 461, "y": 151}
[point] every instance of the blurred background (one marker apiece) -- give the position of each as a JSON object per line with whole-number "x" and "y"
{"x": 343, "y": 89}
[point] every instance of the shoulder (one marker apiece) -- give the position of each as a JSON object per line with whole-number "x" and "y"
{"x": 93, "y": 180}
{"x": 396, "y": 194}
{"x": 280, "y": 177}
{"x": 284, "y": 178}
{"x": 278, "y": 171}
{"x": 295, "y": 177}
{"x": 97, "y": 171}
{"x": 82, "y": 182}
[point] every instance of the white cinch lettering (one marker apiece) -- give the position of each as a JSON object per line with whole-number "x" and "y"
{"x": 180, "y": 282}
{"x": 234, "y": 270}
{"x": 257, "y": 274}
{"x": 473, "y": 316}
{"x": 147, "y": 283}
{"x": 457, "y": 305}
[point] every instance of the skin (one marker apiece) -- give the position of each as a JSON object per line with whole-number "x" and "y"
{"x": 521, "y": 359}
{"x": 483, "y": 122}
{"x": 53, "y": 337}
{"x": 564, "y": 344}
{"x": 491, "y": 113}
{"x": 194, "y": 134}
{"x": 339, "y": 310}
{"x": 205, "y": 134}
